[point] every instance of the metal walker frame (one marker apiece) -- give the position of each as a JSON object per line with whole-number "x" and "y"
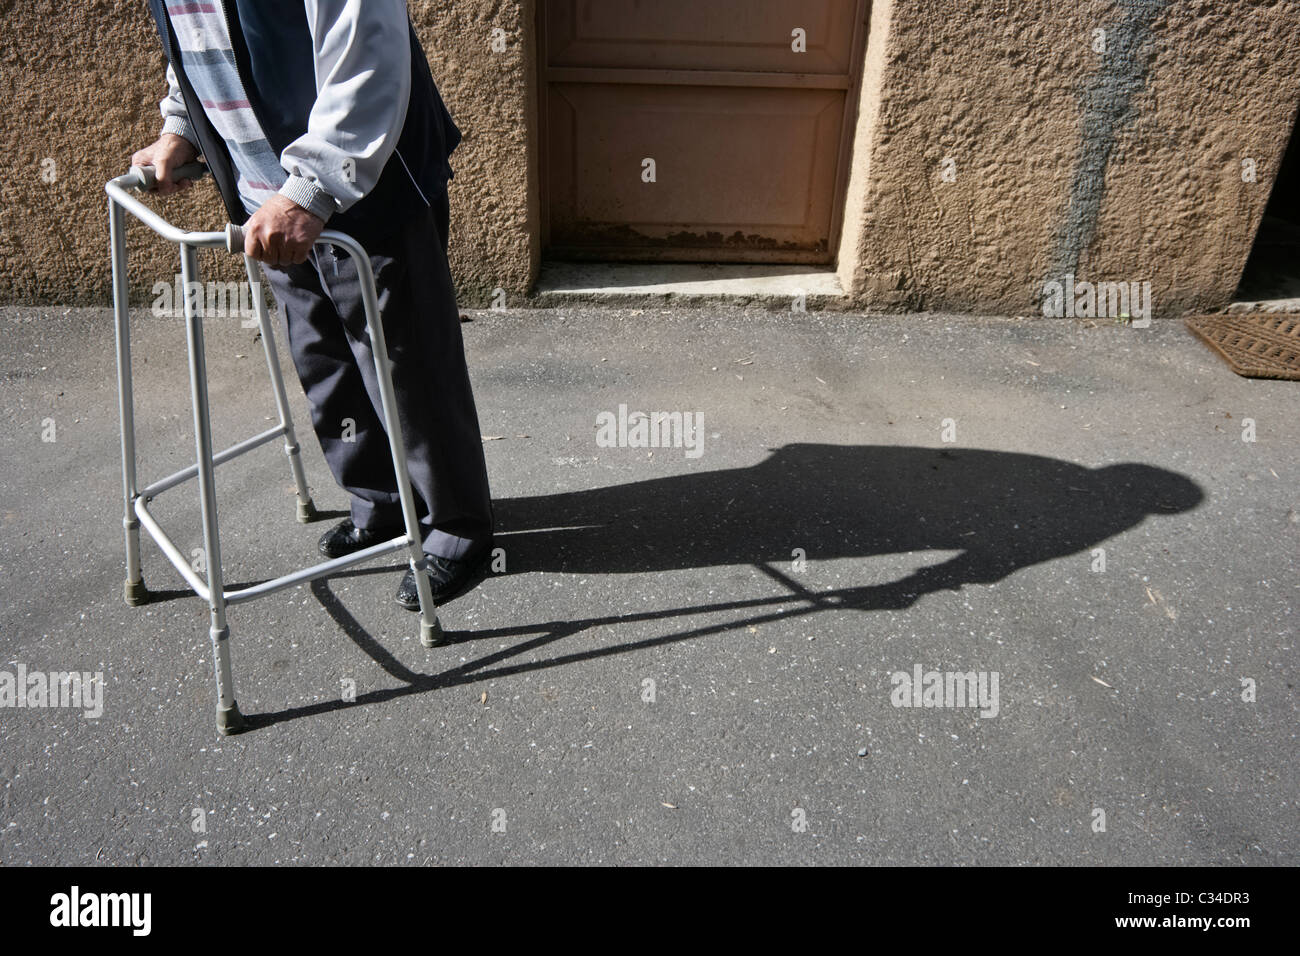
{"x": 136, "y": 514}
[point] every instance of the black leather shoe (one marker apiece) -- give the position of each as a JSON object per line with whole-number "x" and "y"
{"x": 346, "y": 538}
{"x": 448, "y": 579}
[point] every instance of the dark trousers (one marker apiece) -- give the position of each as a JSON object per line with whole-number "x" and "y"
{"x": 321, "y": 301}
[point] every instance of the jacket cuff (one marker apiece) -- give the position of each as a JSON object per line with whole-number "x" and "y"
{"x": 180, "y": 126}
{"x": 311, "y": 197}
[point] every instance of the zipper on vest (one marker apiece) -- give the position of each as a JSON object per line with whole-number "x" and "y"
{"x": 234, "y": 55}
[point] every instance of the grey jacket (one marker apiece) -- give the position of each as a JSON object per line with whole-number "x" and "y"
{"x": 344, "y": 95}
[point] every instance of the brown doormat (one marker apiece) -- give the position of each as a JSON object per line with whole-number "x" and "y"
{"x": 1256, "y": 345}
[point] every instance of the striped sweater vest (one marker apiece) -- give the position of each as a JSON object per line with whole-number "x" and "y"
{"x": 208, "y": 56}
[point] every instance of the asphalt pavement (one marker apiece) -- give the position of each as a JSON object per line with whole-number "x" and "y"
{"x": 701, "y": 652}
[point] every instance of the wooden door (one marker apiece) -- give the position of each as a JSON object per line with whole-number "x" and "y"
{"x": 696, "y": 130}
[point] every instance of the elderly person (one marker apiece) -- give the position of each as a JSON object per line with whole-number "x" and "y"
{"x": 324, "y": 112}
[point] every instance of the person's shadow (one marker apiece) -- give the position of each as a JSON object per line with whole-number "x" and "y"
{"x": 1002, "y": 511}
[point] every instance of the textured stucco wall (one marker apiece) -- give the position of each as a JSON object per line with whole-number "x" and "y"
{"x": 1117, "y": 166}
{"x": 81, "y": 83}
{"x": 492, "y": 96}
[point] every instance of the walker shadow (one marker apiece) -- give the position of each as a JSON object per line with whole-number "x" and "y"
{"x": 1003, "y": 511}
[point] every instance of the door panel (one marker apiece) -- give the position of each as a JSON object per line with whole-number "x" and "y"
{"x": 734, "y": 167}
{"x": 702, "y": 34}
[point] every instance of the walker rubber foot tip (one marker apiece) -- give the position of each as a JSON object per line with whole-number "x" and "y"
{"x": 307, "y": 512}
{"x": 135, "y": 593}
{"x": 431, "y": 635}
{"x": 230, "y": 721}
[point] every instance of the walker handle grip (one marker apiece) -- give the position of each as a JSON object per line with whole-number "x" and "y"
{"x": 146, "y": 178}
{"x": 234, "y": 238}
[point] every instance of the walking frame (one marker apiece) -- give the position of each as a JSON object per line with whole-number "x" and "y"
{"x": 137, "y": 500}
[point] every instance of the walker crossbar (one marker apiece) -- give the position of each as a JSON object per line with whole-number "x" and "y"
{"x": 136, "y": 513}
{"x": 220, "y": 458}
